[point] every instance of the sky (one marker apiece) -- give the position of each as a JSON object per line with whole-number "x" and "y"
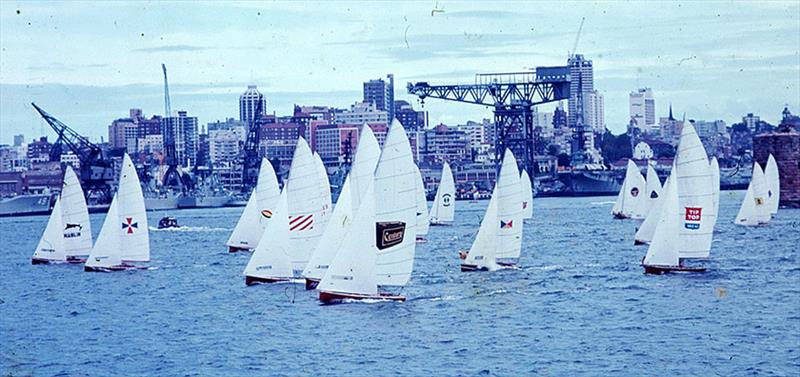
{"x": 88, "y": 63}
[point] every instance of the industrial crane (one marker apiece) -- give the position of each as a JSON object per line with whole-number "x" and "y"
{"x": 172, "y": 177}
{"x": 96, "y": 172}
{"x": 513, "y": 96}
{"x": 251, "y": 162}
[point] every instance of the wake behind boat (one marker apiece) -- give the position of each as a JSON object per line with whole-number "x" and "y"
{"x": 124, "y": 238}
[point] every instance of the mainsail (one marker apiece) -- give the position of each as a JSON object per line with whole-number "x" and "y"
{"x": 695, "y": 195}
{"x": 395, "y": 209}
{"x": 444, "y": 204}
{"x": 527, "y": 195}
{"x": 258, "y": 210}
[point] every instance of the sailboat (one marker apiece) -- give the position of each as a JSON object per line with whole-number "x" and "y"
{"x": 324, "y": 192}
{"x": 270, "y": 261}
{"x": 361, "y": 175}
{"x": 694, "y": 180}
{"x": 305, "y": 205}
{"x": 395, "y": 209}
{"x": 773, "y": 177}
{"x": 124, "y": 237}
{"x": 527, "y": 195}
{"x": 68, "y": 236}
{"x": 423, "y": 222}
{"x": 257, "y": 212}
{"x": 444, "y": 204}
{"x": 653, "y": 185}
{"x": 714, "y": 166}
{"x": 499, "y": 239}
{"x": 631, "y": 204}
{"x": 647, "y": 230}
{"x": 755, "y": 206}
{"x": 663, "y": 254}
{"x": 352, "y": 273}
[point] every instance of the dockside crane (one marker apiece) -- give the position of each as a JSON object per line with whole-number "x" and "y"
{"x": 96, "y": 171}
{"x": 172, "y": 177}
{"x": 513, "y": 97}
{"x": 251, "y": 161}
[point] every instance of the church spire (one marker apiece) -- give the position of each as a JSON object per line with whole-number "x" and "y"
{"x": 670, "y": 112}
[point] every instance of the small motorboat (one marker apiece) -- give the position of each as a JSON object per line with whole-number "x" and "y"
{"x": 168, "y": 222}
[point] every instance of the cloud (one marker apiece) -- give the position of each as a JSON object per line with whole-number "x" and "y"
{"x": 170, "y": 48}
{"x": 57, "y": 66}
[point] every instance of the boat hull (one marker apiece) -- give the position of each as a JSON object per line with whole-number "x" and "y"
{"x": 422, "y": 239}
{"x": 122, "y": 267}
{"x": 659, "y": 270}
{"x": 472, "y": 268}
{"x": 253, "y": 280}
{"x": 638, "y": 243}
{"x": 69, "y": 260}
{"x": 311, "y": 284}
{"x": 235, "y": 249}
{"x": 337, "y": 297}
{"x": 441, "y": 223}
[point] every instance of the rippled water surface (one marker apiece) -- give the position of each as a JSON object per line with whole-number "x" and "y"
{"x": 580, "y": 305}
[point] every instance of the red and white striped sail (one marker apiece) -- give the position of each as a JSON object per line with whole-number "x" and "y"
{"x": 305, "y": 205}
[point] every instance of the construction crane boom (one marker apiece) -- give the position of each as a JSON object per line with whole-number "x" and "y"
{"x": 577, "y": 38}
{"x": 513, "y": 96}
{"x": 96, "y": 172}
{"x": 172, "y": 177}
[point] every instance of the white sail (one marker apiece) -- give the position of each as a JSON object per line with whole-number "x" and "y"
{"x": 663, "y": 250}
{"x": 773, "y": 178}
{"x": 653, "y": 188}
{"x": 396, "y": 208}
{"x": 714, "y": 166}
{"x": 362, "y": 173}
{"x": 695, "y": 193}
{"x": 270, "y": 259}
{"x": 333, "y": 237}
{"x": 509, "y": 210}
{"x": 527, "y": 195}
{"x": 353, "y": 268}
{"x": 422, "y": 206}
{"x": 51, "y": 245}
{"x": 444, "y": 204}
{"x": 755, "y": 206}
{"x": 361, "y": 176}
{"x": 324, "y": 193}
{"x": 648, "y": 228}
{"x": 482, "y": 253}
{"x": 631, "y": 201}
{"x": 77, "y": 230}
{"x": 107, "y": 250}
{"x": 258, "y": 210}
{"x": 134, "y": 233}
{"x": 305, "y": 205}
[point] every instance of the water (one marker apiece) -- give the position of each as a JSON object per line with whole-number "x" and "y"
{"x": 580, "y": 305}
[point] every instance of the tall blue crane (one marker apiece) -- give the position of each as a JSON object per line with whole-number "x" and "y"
{"x": 513, "y": 97}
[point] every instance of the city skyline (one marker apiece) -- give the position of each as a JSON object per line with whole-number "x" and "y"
{"x": 711, "y": 61}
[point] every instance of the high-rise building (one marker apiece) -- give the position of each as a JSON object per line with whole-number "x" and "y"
{"x": 248, "y": 104}
{"x": 360, "y": 113}
{"x": 381, "y": 93}
{"x": 225, "y": 144}
{"x": 751, "y": 121}
{"x": 594, "y": 113}
{"x": 182, "y": 131}
{"x": 643, "y": 108}
{"x": 581, "y": 80}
